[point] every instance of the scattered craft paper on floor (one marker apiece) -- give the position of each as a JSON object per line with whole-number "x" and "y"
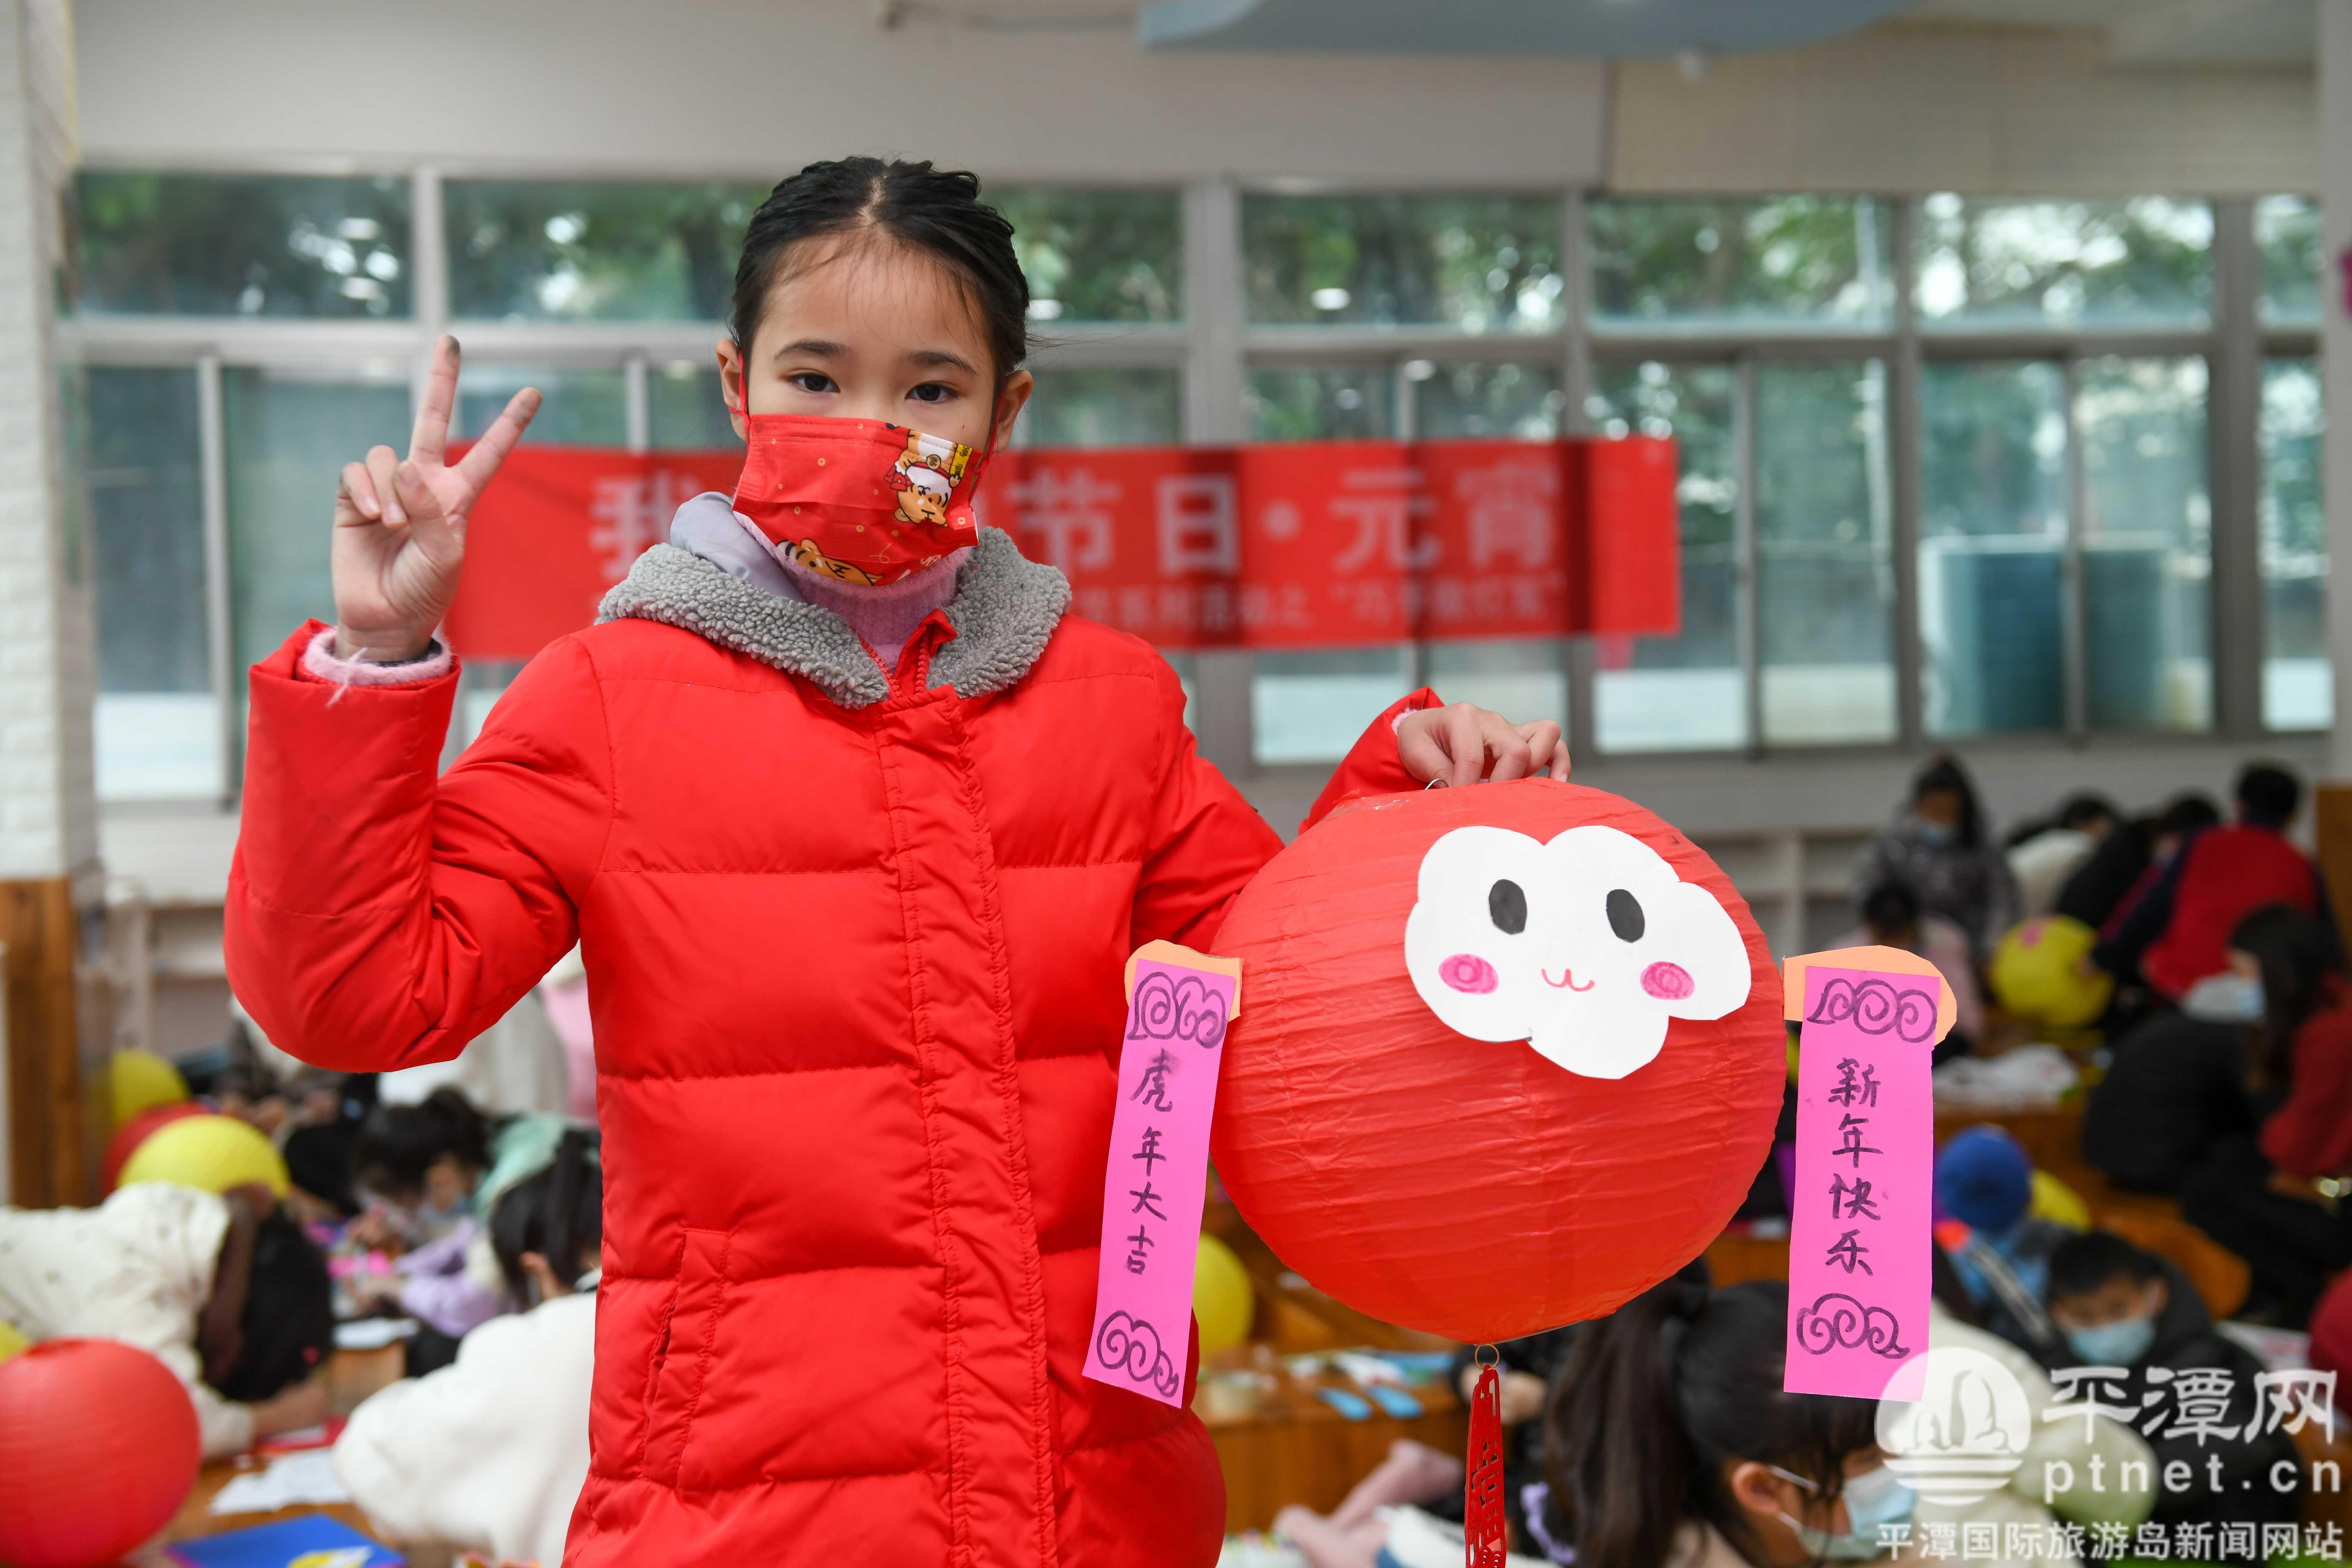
{"x": 294, "y": 1481}
{"x": 372, "y": 1333}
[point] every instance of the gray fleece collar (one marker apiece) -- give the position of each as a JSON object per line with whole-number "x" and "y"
{"x": 1004, "y": 611}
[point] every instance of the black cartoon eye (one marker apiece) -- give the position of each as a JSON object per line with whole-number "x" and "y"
{"x": 1625, "y": 916}
{"x": 1506, "y": 906}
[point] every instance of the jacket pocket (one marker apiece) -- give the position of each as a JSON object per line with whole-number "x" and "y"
{"x": 681, "y": 1358}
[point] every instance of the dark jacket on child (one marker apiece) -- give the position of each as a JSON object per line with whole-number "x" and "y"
{"x": 2191, "y": 1417}
{"x": 2101, "y": 883}
{"x": 2175, "y": 1090}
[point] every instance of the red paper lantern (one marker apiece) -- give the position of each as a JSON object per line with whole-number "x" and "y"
{"x": 133, "y": 1132}
{"x": 1507, "y": 1056}
{"x": 99, "y": 1448}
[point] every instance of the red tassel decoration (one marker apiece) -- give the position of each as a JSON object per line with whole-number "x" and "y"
{"x": 1482, "y": 1498}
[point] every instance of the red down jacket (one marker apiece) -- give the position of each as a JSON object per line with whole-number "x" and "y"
{"x": 854, "y": 946}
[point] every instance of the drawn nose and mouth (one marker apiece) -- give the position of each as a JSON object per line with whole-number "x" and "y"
{"x": 1506, "y": 908}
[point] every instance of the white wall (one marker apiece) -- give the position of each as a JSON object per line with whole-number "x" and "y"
{"x": 1999, "y": 110}
{"x": 757, "y": 89}
{"x": 2336, "y": 342}
{"x": 48, "y": 804}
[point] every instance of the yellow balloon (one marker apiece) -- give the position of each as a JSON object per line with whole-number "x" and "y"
{"x": 1222, "y": 1300}
{"x": 213, "y": 1152}
{"x": 141, "y": 1080}
{"x": 2037, "y": 974}
{"x": 11, "y": 1342}
{"x": 2059, "y": 1204}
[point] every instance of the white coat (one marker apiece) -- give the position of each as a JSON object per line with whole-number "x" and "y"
{"x": 138, "y": 1269}
{"x": 488, "y": 1453}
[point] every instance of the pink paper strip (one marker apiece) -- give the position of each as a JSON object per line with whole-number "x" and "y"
{"x": 1158, "y": 1178}
{"x": 1858, "y": 1237}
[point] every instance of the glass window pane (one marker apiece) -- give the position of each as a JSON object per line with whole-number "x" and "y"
{"x": 1825, "y": 585}
{"x": 1821, "y": 261}
{"x": 1482, "y": 264}
{"x": 686, "y": 411}
{"x": 1311, "y": 707}
{"x": 1522, "y": 400}
{"x": 2147, "y": 547}
{"x": 1331, "y": 402}
{"x": 1097, "y": 256}
{"x": 480, "y": 683}
{"x": 547, "y": 250}
{"x": 2287, "y": 233}
{"x": 139, "y": 463}
{"x": 243, "y": 245}
{"x": 2298, "y": 687}
{"x": 1104, "y": 406}
{"x": 289, "y": 433}
{"x": 1683, "y": 692}
{"x": 582, "y": 407}
{"x": 2144, "y": 260}
{"x": 1523, "y": 680}
{"x": 1992, "y": 548}
{"x": 1187, "y": 667}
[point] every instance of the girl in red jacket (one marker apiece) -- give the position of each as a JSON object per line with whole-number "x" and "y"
{"x": 855, "y": 826}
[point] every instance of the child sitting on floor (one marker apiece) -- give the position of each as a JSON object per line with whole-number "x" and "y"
{"x": 444, "y": 1166}
{"x": 2071, "y": 1472}
{"x": 2142, "y": 1340}
{"x": 1671, "y": 1444}
{"x": 488, "y": 1453}
{"x": 2274, "y": 1199}
{"x": 225, "y": 1290}
{"x": 1984, "y": 1186}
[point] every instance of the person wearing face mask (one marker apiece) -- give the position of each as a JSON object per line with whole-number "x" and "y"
{"x": 2136, "y": 1317}
{"x": 2074, "y": 1469}
{"x": 854, "y": 824}
{"x": 1939, "y": 847}
{"x": 2273, "y": 1197}
{"x": 1669, "y": 1444}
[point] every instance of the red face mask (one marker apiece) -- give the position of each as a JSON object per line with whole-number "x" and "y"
{"x": 857, "y": 500}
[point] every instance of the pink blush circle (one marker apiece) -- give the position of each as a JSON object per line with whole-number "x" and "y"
{"x": 1667, "y": 982}
{"x": 1468, "y": 972}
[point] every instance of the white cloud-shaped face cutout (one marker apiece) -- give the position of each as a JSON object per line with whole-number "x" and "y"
{"x": 1582, "y": 947}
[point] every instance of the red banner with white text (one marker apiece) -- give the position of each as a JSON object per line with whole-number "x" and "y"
{"x": 1319, "y": 544}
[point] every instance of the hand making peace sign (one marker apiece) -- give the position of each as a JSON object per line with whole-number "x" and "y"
{"x": 400, "y": 526}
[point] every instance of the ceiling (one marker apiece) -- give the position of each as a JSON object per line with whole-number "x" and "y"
{"x": 1618, "y": 28}
{"x": 2158, "y": 31}
{"x": 2138, "y": 32}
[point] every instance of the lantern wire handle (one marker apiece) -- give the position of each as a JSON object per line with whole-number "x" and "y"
{"x": 1478, "y": 1357}
{"x": 1434, "y": 784}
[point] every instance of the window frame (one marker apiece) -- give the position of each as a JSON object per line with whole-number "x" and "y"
{"x": 1214, "y": 349}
